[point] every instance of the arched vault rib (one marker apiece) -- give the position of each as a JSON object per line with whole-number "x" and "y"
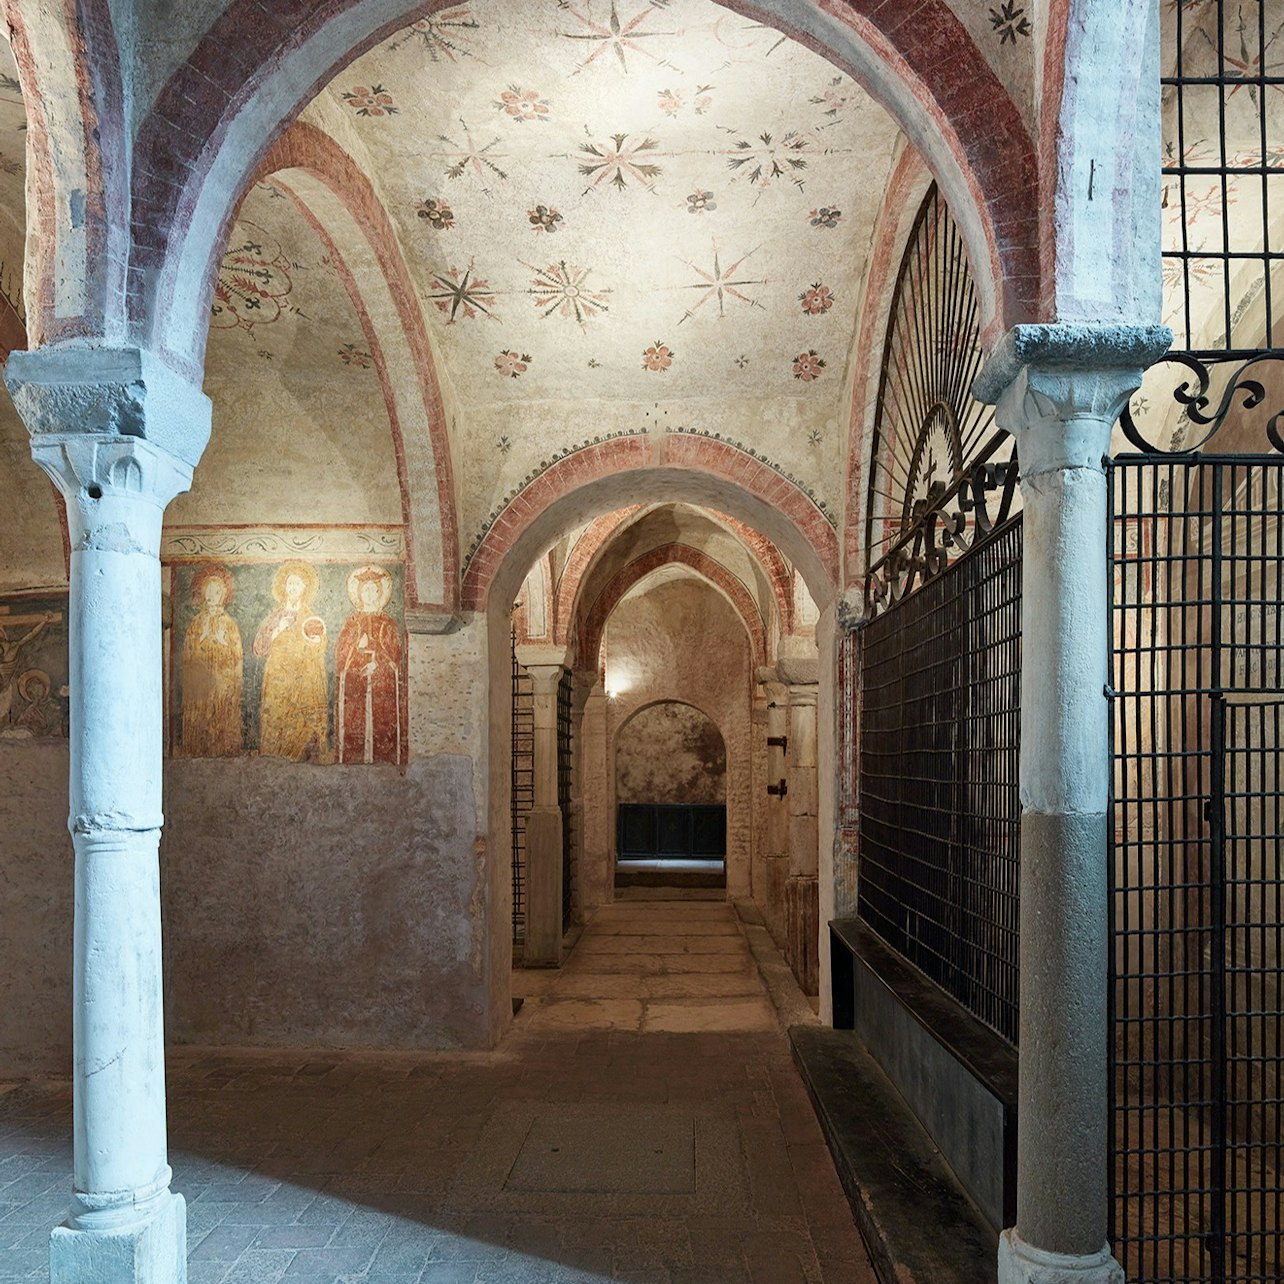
{"x": 707, "y": 568}
{"x": 340, "y": 202}
{"x": 681, "y": 468}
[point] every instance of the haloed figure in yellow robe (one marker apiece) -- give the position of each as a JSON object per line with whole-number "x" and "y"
{"x": 212, "y": 667}
{"x": 294, "y": 708}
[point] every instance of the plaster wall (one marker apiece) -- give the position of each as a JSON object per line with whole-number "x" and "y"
{"x": 307, "y": 907}
{"x": 680, "y": 640}
{"x": 670, "y": 753}
{"x": 302, "y": 903}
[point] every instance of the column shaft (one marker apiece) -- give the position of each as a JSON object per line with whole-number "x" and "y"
{"x": 118, "y": 433}
{"x": 1059, "y": 390}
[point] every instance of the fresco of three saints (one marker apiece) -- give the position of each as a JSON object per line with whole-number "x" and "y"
{"x": 292, "y": 660}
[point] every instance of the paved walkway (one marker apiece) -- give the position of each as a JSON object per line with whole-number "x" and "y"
{"x": 641, "y": 1123}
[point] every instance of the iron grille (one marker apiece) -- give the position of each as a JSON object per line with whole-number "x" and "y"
{"x": 565, "y": 761}
{"x": 927, "y": 426}
{"x": 939, "y": 810}
{"x": 522, "y": 797}
{"x": 1223, "y": 174}
{"x": 1197, "y": 556}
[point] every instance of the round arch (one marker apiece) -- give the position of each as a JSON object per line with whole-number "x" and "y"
{"x": 706, "y": 568}
{"x": 610, "y": 475}
{"x": 337, "y": 198}
{"x": 592, "y": 545}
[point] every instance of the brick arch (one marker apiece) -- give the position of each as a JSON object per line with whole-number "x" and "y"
{"x": 681, "y": 467}
{"x": 599, "y": 533}
{"x": 589, "y": 640}
{"x": 307, "y": 149}
{"x": 593, "y": 538}
{"x": 256, "y": 67}
{"x": 78, "y": 167}
{"x": 778, "y": 572}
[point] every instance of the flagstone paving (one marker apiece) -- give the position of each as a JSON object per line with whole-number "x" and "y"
{"x": 641, "y": 1122}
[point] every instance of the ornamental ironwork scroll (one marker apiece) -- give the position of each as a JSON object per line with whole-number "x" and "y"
{"x": 949, "y": 522}
{"x": 936, "y": 454}
{"x": 1243, "y": 391}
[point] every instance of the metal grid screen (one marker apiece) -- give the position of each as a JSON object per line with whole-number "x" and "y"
{"x": 1223, "y": 173}
{"x": 522, "y": 797}
{"x": 939, "y": 810}
{"x": 1196, "y": 550}
{"x": 565, "y": 761}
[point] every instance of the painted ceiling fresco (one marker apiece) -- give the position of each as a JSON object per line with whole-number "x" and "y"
{"x": 623, "y": 199}
{"x": 301, "y": 430}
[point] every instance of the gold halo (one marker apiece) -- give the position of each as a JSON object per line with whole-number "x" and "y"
{"x": 212, "y": 571}
{"x": 306, "y": 572}
{"x": 31, "y": 676}
{"x": 363, "y": 573}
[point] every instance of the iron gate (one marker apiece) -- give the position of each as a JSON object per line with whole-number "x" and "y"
{"x": 1197, "y": 555}
{"x": 939, "y": 812}
{"x": 565, "y": 760}
{"x": 522, "y": 785}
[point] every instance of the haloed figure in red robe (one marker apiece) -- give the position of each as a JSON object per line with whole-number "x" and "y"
{"x": 367, "y": 658}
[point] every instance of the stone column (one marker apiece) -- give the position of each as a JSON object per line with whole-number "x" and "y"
{"x": 544, "y": 823}
{"x": 1059, "y": 390}
{"x": 802, "y": 891}
{"x": 119, "y": 434}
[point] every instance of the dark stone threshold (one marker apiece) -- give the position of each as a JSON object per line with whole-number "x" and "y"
{"x": 916, "y": 1221}
{"x": 670, "y": 878}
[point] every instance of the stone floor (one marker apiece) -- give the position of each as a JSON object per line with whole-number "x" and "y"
{"x": 642, "y": 1122}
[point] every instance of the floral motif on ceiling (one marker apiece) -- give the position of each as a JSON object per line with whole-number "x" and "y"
{"x": 696, "y": 168}
{"x": 254, "y": 281}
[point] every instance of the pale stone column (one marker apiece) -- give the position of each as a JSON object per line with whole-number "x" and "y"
{"x": 802, "y": 891}
{"x": 582, "y": 684}
{"x": 1059, "y": 391}
{"x": 597, "y": 873}
{"x": 119, "y": 434}
{"x": 544, "y": 822}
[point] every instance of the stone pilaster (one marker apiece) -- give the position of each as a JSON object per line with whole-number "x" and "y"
{"x": 802, "y": 890}
{"x": 1059, "y": 390}
{"x": 771, "y": 896}
{"x": 119, "y": 434}
{"x": 543, "y": 946}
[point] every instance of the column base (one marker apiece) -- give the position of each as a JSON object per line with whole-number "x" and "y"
{"x": 154, "y": 1252}
{"x": 1022, "y": 1263}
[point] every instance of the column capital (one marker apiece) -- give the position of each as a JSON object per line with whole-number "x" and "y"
{"x": 797, "y": 671}
{"x": 76, "y": 390}
{"x": 545, "y": 678}
{"x": 1059, "y": 388}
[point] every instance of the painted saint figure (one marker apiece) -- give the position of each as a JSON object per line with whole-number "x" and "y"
{"x": 294, "y": 707}
{"x": 212, "y": 671}
{"x": 367, "y": 706}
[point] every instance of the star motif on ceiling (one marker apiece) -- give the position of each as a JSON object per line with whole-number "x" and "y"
{"x": 721, "y": 283}
{"x": 620, "y": 160}
{"x": 453, "y": 292}
{"x": 615, "y": 35}
{"x": 559, "y": 288}
{"x": 442, "y": 34}
{"x": 768, "y": 158}
{"x": 470, "y": 157}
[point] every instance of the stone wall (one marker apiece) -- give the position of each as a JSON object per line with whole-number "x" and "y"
{"x": 670, "y": 753}
{"x": 302, "y": 907}
{"x": 36, "y": 903}
{"x": 303, "y": 904}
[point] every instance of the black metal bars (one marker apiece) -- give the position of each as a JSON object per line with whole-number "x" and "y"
{"x": 939, "y": 809}
{"x": 1196, "y": 980}
{"x": 522, "y": 784}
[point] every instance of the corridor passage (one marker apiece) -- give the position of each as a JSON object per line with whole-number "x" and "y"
{"x": 641, "y": 1122}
